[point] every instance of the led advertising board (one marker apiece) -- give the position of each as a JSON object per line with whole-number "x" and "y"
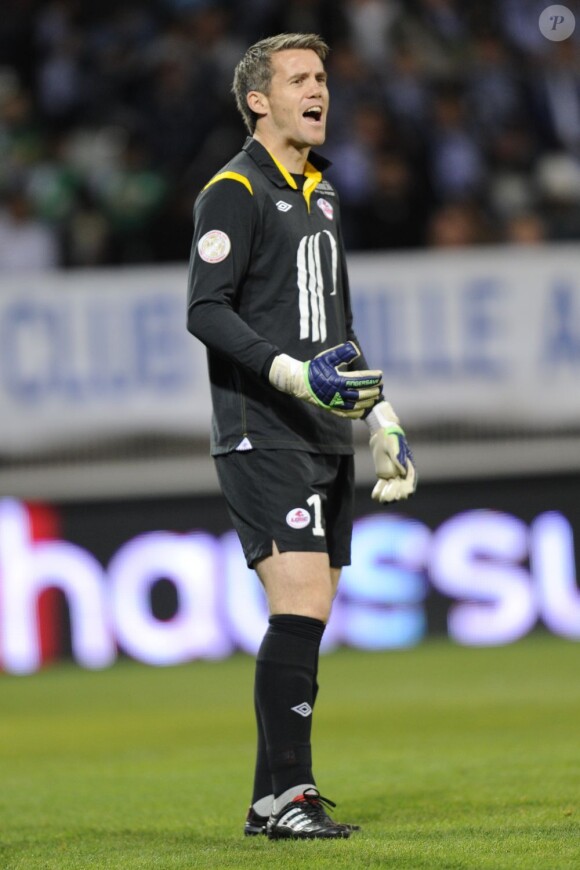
{"x": 165, "y": 581}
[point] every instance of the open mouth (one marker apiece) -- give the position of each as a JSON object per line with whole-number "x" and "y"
{"x": 314, "y": 114}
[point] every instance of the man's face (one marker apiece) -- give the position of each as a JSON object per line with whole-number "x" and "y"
{"x": 297, "y": 104}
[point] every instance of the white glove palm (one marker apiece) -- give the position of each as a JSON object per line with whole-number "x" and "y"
{"x": 392, "y": 455}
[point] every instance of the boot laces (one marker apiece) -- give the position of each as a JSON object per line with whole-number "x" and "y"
{"x": 316, "y": 804}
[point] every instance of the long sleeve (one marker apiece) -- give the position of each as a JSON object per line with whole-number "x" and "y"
{"x": 225, "y": 222}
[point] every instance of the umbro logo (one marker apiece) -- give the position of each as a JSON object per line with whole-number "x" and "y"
{"x": 303, "y": 709}
{"x": 283, "y": 206}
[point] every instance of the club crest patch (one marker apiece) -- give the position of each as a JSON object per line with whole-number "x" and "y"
{"x": 214, "y": 246}
{"x": 326, "y": 208}
{"x": 298, "y": 518}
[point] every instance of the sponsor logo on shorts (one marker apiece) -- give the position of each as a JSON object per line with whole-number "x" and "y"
{"x": 214, "y": 246}
{"x": 326, "y": 208}
{"x": 298, "y": 518}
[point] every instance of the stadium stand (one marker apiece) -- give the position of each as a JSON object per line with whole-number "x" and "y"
{"x": 453, "y": 125}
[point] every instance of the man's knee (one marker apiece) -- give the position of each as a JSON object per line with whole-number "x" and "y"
{"x": 299, "y": 583}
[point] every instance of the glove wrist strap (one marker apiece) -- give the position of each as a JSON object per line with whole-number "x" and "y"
{"x": 382, "y": 416}
{"x": 284, "y": 371}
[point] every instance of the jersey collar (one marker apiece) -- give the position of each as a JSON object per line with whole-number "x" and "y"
{"x": 279, "y": 175}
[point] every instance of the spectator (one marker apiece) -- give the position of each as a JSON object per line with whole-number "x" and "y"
{"x": 406, "y": 90}
{"x": 457, "y": 225}
{"x": 53, "y": 183}
{"x": 370, "y": 133}
{"x": 353, "y": 171}
{"x": 519, "y": 22}
{"x": 25, "y": 243}
{"x": 527, "y": 228}
{"x": 512, "y": 155}
{"x": 180, "y": 110}
{"x": 370, "y": 25}
{"x": 21, "y": 136}
{"x": 438, "y": 100}
{"x": 392, "y": 218}
{"x": 119, "y": 50}
{"x": 85, "y": 235}
{"x": 557, "y": 177}
{"x": 215, "y": 44}
{"x": 61, "y": 85}
{"x": 494, "y": 89}
{"x": 130, "y": 197}
{"x": 352, "y": 85}
{"x": 456, "y": 160}
{"x": 438, "y": 34}
{"x": 556, "y": 98}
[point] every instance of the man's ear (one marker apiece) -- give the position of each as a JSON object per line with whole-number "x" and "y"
{"x": 257, "y": 102}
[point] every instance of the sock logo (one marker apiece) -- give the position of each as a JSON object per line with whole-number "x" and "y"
{"x": 303, "y": 709}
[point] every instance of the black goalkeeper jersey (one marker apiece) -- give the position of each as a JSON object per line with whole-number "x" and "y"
{"x": 268, "y": 275}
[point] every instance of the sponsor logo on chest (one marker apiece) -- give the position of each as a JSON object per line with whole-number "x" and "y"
{"x": 326, "y": 208}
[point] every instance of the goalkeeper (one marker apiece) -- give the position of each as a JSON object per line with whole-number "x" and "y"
{"x": 269, "y": 298}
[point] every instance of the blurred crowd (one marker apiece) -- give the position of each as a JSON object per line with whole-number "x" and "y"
{"x": 453, "y": 123}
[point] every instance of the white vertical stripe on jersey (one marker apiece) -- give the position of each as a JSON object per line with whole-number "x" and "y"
{"x": 313, "y": 243}
{"x": 334, "y": 252}
{"x": 303, "y": 288}
{"x": 310, "y": 276}
{"x": 320, "y": 289}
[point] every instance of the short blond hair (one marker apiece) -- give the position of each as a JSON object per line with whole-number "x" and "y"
{"x": 254, "y": 71}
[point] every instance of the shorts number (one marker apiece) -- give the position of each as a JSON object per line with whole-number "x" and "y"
{"x": 315, "y": 502}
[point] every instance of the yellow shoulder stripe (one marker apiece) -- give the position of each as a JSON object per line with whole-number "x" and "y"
{"x": 234, "y": 176}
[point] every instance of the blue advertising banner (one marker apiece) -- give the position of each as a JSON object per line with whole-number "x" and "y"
{"x": 487, "y": 336}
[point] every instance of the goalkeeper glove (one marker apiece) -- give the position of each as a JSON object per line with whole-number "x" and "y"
{"x": 392, "y": 455}
{"x": 319, "y": 381}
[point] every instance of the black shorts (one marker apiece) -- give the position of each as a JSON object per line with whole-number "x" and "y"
{"x": 302, "y": 501}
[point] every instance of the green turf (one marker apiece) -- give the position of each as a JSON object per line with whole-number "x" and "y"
{"x": 448, "y": 757}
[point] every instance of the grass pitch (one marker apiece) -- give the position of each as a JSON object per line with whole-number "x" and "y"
{"x": 448, "y": 757}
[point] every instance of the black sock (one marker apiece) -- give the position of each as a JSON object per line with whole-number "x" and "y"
{"x": 284, "y": 696}
{"x": 262, "y": 774}
{"x": 315, "y": 682}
